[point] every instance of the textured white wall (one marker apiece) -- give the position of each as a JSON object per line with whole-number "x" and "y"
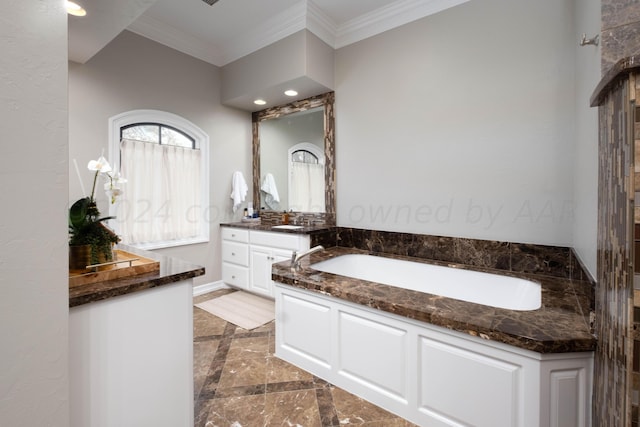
{"x": 135, "y": 73}
{"x": 587, "y": 16}
{"x": 34, "y": 297}
{"x": 461, "y": 124}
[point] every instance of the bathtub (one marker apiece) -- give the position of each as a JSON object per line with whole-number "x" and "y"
{"x": 471, "y": 286}
{"x": 432, "y": 375}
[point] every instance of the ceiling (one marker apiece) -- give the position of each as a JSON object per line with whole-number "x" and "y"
{"x": 231, "y": 29}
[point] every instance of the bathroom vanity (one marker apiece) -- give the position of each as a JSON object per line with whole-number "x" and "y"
{"x": 249, "y": 251}
{"x": 131, "y": 348}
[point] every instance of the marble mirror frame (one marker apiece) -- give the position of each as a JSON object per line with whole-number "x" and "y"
{"x": 325, "y": 100}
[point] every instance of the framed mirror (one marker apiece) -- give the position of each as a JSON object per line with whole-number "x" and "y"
{"x": 294, "y": 158}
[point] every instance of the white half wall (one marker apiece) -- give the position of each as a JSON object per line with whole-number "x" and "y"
{"x": 34, "y": 292}
{"x": 462, "y": 124}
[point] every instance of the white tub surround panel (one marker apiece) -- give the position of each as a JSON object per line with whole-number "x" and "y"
{"x": 427, "y": 374}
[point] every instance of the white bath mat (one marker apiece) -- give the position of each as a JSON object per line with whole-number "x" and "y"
{"x": 241, "y": 308}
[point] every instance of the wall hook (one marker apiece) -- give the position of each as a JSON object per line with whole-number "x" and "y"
{"x": 592, "y": 41}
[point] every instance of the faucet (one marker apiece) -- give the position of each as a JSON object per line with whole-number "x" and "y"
{"x": 296, "y": 257}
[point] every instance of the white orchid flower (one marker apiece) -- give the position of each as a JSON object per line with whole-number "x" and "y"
{"x": 101, "y": 165}
{"x": 113, "y": 193}
{"x": 112, "y": 186}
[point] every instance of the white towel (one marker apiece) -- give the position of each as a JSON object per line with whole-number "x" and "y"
{"x": 269, "y": 187}
{"x": 238, "y": 189}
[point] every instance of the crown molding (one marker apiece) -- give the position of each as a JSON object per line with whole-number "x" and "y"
{"x": 270, "y": 31}
{"x": 388, "y": 17}
{"x": 172, "y": 37}
{"x": 320, "y": 24}
{"x": 304, "y": 15}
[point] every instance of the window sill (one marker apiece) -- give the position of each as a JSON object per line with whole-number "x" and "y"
{"x": 170, "y": 243}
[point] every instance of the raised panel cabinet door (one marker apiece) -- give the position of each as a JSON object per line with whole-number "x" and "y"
{"x": 280, "y": 255}
{"x": 260, "y": 280}
{"x": 262, "y": 258}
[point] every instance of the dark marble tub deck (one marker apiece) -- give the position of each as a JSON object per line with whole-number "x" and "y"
{"x": 559, "y": 326}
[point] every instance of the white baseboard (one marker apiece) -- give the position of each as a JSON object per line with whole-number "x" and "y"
{"x": 209, "y": 287}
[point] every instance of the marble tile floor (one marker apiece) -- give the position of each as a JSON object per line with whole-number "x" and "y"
{"x": 239, "y": 382}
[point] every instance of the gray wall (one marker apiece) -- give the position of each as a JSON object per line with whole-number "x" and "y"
{"x": 135, "y": 73}
{"x": 34, "y": 292}
{"x": 585, "y": 152}
{"x": 468, "y": 123}
{"x": 463, "y": 124}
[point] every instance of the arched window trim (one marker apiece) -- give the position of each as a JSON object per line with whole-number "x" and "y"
{"x": 306, "y": 146}
{"x": 201, "y": 141}
{"x": 161, "y": 125}
{"x": 306, "y": 152}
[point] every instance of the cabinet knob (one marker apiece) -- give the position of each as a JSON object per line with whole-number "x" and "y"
{"x": 233, "y": 254}
{"x": 233, "y": 277}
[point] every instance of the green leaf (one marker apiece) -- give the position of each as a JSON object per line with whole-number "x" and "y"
{"x": 78, "y": 213}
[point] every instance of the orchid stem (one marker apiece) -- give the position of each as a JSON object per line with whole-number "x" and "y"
{"x": 93, "y": 190}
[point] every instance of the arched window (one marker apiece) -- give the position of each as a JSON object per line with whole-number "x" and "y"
{"x": 164, "y": 158}
{"x": 158, "y": 133}
{"x": 304, "y": 156}
{"x": 306, "y": 178}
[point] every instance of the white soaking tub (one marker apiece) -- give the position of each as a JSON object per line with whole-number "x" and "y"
{"x": 472, "y": 286}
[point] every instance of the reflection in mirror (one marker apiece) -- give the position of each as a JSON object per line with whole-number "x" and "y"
{"x": 306, "y": 177}
{"x": 292, "y": 162}
{"x": 293, "y": 158}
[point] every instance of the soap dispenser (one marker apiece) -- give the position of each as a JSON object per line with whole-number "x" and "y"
{"x": 285, "y": 218}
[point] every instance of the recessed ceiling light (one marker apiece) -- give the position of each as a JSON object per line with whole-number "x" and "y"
{"x": 75, "y": 9}
{"x": 259, "y": 102}
{"x": 290, "y": 92}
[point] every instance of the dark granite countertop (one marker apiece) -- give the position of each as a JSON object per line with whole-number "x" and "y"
{"x": 559, "y": 326}
{"x": 616, "y": 72}
{"x": 259, "y": 226}
{"x": 171, "y": 270}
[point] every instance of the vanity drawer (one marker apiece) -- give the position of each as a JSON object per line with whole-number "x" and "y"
{"x": 235, "y": 275}
{"x": 294, "y": 242}
{"x": 235, "y": 235}
{"x": 236, "y": 253}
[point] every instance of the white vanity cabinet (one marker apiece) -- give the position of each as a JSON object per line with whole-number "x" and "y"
{"x": 235, "y": 257}
{"x": 247, "y": 256}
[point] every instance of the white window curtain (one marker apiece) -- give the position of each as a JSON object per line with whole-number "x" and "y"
{"x": 161, "y": 201}
{"x": 307, "y": 187}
